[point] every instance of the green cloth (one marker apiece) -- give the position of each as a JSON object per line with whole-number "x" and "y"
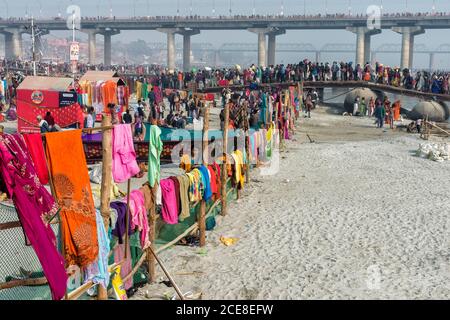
{"x": 155, "y": 148}
{"x": 362, "y": 108}
{"x": 144, "y": 91}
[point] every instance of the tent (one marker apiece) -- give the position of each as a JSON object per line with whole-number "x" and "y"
{"x": 39, "y": 95}
{"x": 93, "y": 78}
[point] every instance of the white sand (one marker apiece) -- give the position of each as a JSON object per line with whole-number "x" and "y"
{"x": 357, "y": 220}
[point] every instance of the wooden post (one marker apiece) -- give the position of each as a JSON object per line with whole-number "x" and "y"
{"x": 223, "y": 192}
{"x": 151, "y": 236}
{"x": 247, "y": 145}
{"x": 268, "y": 117}
{"x": 105, "y": 192}
{"x": 205, "y": 152}
{"x": 280, "y": 123}
{"x": 127, "y": 219}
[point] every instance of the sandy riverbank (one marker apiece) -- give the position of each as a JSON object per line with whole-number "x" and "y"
{"x": 353, "y": 216}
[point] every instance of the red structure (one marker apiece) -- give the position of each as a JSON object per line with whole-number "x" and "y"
{"x": 39, "y": 95}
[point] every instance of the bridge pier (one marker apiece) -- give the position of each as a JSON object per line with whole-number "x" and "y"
{"x": 432, "y": 61}
{"x": 408, "y": 34}
{"x": 171, "y": 53}
{"x": 92, "y": 48}
{"x": 317, "y": 56}
{"x": 272, "y": 35}
{"x": 107, "y": 34}
{"x": 363, "y": 35}
{"x": 13, "y": 42}
{"x": 187, "y": 47}
{"x": 261, "y": 32}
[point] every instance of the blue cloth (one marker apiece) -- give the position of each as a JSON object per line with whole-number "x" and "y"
{"x": 98, "y": 270}
{"x": 207, "y": 184}
{"x": 263, "y": 108}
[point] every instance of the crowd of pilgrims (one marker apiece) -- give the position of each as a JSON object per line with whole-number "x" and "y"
{"x": 420, "y": 80}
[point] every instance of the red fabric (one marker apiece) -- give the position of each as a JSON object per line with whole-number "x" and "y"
{"x": 218, "y": 181}
{"x": 36, "y": 150}
{"x": 213, "y": 180}
{"x": 50, "y": 98}
{"x": 177, "y": 193}
{"x": 27, "y": 113}
{"x": 27, "y": 110}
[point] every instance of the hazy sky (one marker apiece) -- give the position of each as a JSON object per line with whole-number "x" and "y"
{"x": 432, "y": 38}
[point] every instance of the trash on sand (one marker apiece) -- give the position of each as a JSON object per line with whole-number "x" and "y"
{"x": 228, "y": 241}
{"x": 202, "y": 252}
{"x": 434, "y": 151}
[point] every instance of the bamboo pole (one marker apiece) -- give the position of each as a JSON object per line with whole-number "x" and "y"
{"x": 175, "y": 286}
{"x": 127, "y": 219}
{"x": 202, "y": 215}
{"x": 75, "y": 294}
{"x": 268, "y": 117}
{"x": 247, "y": 146}
{"x": 437, "y": 127}
{"x": 151, "y": 265}
{"x": 224, "y": 174}
{"x": 24, "y": 282}
{"x": 105, "y": 192}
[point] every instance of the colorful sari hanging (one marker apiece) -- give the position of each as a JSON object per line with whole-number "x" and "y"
{"x": 68, "y": 170}
{"x": 35, "y": 207}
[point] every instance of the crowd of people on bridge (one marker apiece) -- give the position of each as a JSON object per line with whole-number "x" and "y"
{"x": 348, "y": 15}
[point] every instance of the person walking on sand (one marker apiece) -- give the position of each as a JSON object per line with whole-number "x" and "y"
{"x": 371, "y": 107}
{"x": 379, "y": 114}
{"x": 356, "y": 106}
{"x": 362, "y": 107}
{"x": 391, "y": 116}
{"x": 309, "y": 105}
{"x": 419, "y": 125}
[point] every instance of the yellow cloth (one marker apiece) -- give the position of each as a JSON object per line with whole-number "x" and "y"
{"x": 269, "y": 134}
{"x": 239, "y": 164}
{"x": 138, "y": 90}
{"x": 185, "y": 163}
{"x": 228, "y": 241}
{"x": 86, "y": 87}
{"x": 286, "y": 98}
{"x": 184, "y": 197}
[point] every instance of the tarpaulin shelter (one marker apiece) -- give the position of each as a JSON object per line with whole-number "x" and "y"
{"x": 39, "y": 95}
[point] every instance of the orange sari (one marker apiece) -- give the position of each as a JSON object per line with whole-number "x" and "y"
{"x": 397, "y": 109}
{"x": 109, "y": 94}
{"x": 68, "y": 170}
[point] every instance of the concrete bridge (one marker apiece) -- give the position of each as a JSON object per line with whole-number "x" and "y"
{"x": 265, "y": 27}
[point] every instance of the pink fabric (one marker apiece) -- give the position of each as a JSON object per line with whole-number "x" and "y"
{"x": 124, "y": 156}
{"x": 169, "y": 201}
{"x": 126, "y": 266}
{"x": 34, "y": 204}
{"x": 138, "y": 215}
